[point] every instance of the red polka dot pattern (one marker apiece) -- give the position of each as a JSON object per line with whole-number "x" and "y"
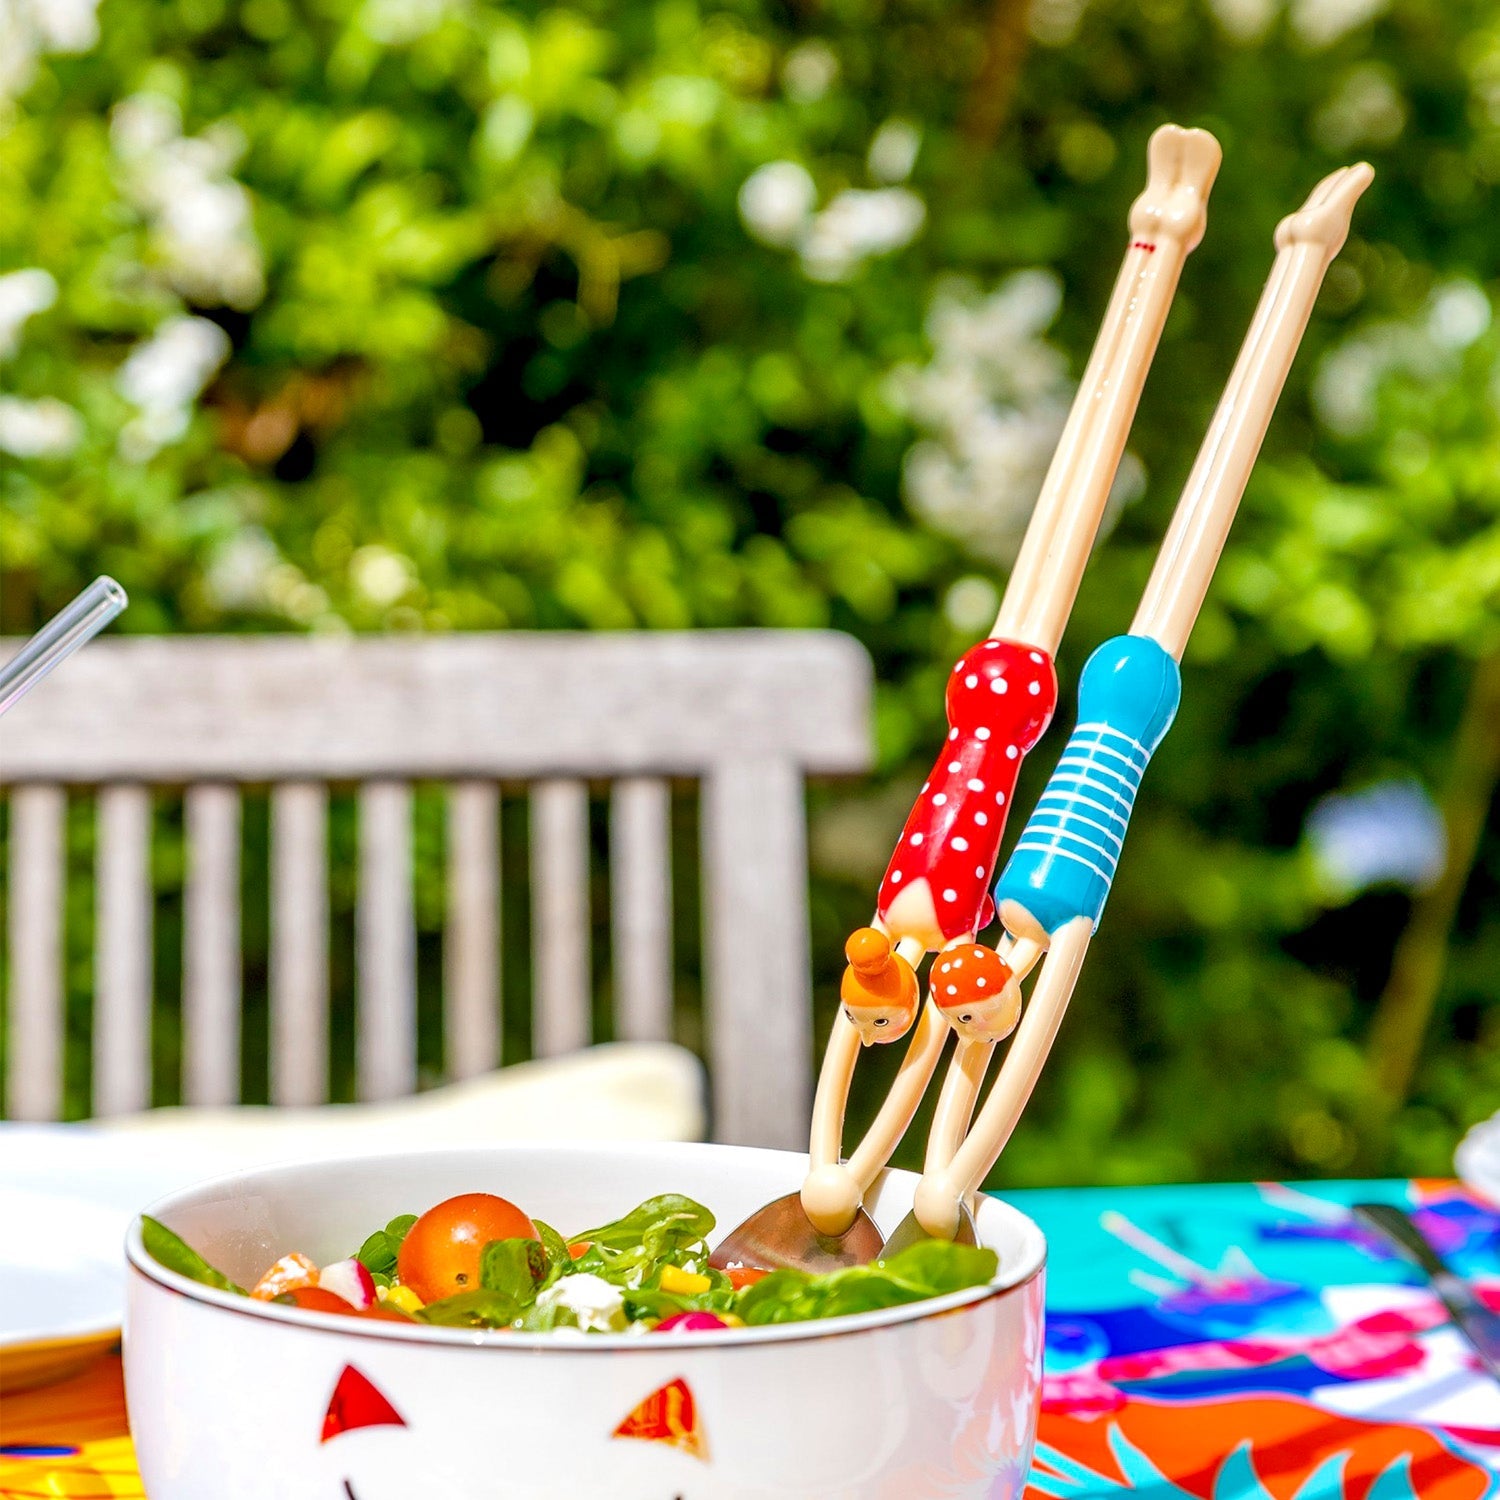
{"x": 1000, "y": 699}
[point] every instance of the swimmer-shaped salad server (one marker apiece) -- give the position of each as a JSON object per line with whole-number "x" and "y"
{"x": 1054, "y": 887}
{"x": 1000, "y": 699}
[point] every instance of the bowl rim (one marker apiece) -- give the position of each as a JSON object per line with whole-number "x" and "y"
{"x": 564, "y": 1341}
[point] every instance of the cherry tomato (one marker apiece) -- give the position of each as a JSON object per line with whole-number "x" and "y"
{"x": 440, "y": 1255}
{"x": 579, "y": 1249}
{"x": 742, "y": 1276}
{"x": 385, "y": 1314}
{"x": 318, "y": 1299}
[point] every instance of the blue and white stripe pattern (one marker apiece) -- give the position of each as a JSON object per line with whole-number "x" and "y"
{"x": 1065, "y": 861}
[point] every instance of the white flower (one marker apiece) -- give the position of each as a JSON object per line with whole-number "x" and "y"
{"x": 1054, "y": 23}
{"x": 23, "y": 294}
{"x": 893, "y": 151}
{"x": 200, "y": 216}
{"x": 776, "y": 202}
{"x": 174, "y": 365}
{"x": 1244, "y": 21}
{"x": 858, "y": 224}
{"x": 143, "y": 123}
{"x": 1365, "y": 109}
{"x": 397, "y": 22}
{"x": 379, "y": 575}
{"x": 970, "y": 604}
{"x": 1389, "y": 833}
{"x": 991, "y": 404}
{"x": 809, "y": 71}
{"x": 1347, "y": 381}
{"x": 31, "y": 28}
{"x": 1320, "y": 23}
{"x": 65, "y": 25}
{"x": 163, "y": 377}
{"x": 1458, "y": 312}
{"x": 38, "y": 429}
{"x": 239, "y": 572}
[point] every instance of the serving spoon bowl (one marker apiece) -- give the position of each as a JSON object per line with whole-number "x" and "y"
{"x": 780, "y": 1235}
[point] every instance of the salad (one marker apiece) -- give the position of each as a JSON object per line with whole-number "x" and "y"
{"x": 478, "y": 1261}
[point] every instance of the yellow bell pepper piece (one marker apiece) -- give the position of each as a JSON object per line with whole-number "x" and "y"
{"x": 683, "y": 1283}
{"x": 402, "y": 1297}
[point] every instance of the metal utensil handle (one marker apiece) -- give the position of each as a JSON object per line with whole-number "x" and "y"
{"x": 83, "y": 619}
{"x": 1478, "y": 1324}
{"x": 1397, "y": 1226}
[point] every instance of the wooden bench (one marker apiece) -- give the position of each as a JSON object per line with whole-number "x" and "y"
{"x": 748, "y": 714}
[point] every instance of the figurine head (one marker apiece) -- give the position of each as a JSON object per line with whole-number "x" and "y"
{"x": 976, "y": 991}
{"x": 879, "y": 989}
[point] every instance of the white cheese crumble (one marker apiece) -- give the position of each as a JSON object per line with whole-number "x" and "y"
{"x": 598, "y": 1306}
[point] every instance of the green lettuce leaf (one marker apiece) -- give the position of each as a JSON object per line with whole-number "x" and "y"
{"x": 658, "y": 1226}
{"x": 929, "y": 1269}
{"x": 378, "y": 1253}
{"x": 177, "y": 1255}
{"x": 631, "y": 1251}
{"x": 519, "y": 1268}
{"x": 652, "y": 1302}
{"x": 554, "y": 1244}
{"x": 481, "y": 1309}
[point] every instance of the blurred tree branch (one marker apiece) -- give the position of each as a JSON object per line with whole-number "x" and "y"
{"x": 995, "y": 84}
{"x": 1405, "y": 1008}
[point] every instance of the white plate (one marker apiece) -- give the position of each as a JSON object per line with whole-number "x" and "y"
{"x": 67, "y": 1197}
{"x": 1477, "y": 1160}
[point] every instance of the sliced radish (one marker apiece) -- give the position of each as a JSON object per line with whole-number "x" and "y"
{"x": 691, "y": 1322}
{"x": 351, "y": 1281}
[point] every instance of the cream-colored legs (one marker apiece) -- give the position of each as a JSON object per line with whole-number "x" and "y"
{"x": 833, "y": 1190}
{"x": 1166, "y": 224}
{"x": 1306, "y": 242}
{"x": 941, "y": 1192}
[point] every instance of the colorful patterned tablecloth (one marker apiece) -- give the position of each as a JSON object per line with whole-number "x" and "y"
{"x": 1238, "y": 1342}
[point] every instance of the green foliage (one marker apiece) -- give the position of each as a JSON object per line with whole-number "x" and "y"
{"x": 498, "y": 346}
{"x": 173, "y": 1252}
{"x": 931, "y": 1268}
{"x": 517, "y": 1267}
{"x": 378, "y": 1253}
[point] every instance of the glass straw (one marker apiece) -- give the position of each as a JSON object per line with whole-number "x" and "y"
{"x": 83, "y": 619}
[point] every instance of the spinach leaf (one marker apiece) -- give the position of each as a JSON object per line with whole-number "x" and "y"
{"x": 177, "y": 1255}
{"x": 378, "y": 1253}
{"x": 544, "y": 1316}
{"x": 516, "y": 1267}
{"x": 652, "y": 1302}
{"x": 932, "y": 1267}
{"x": 631, "y": 1251}
{"x": 655, "y": 1225}
{"x": 925, "y": 1270}
{"x": 558, "y": 1255}
{"x": 481, "y": 1309}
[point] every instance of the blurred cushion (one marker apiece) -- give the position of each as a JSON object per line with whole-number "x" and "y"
{"x": 620, "y": 1091}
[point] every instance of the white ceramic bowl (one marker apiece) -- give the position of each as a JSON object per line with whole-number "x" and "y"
{"x": 235, "y": 1400}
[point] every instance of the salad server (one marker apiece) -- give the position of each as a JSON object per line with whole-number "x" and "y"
{"x": 1055, "y": 885}
{"x": 1000, "y": 700}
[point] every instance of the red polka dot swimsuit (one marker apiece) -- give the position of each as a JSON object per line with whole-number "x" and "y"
{"x": 1000, "y": 699}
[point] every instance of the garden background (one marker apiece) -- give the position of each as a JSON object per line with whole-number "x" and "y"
{"x": 420, "y": 315}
